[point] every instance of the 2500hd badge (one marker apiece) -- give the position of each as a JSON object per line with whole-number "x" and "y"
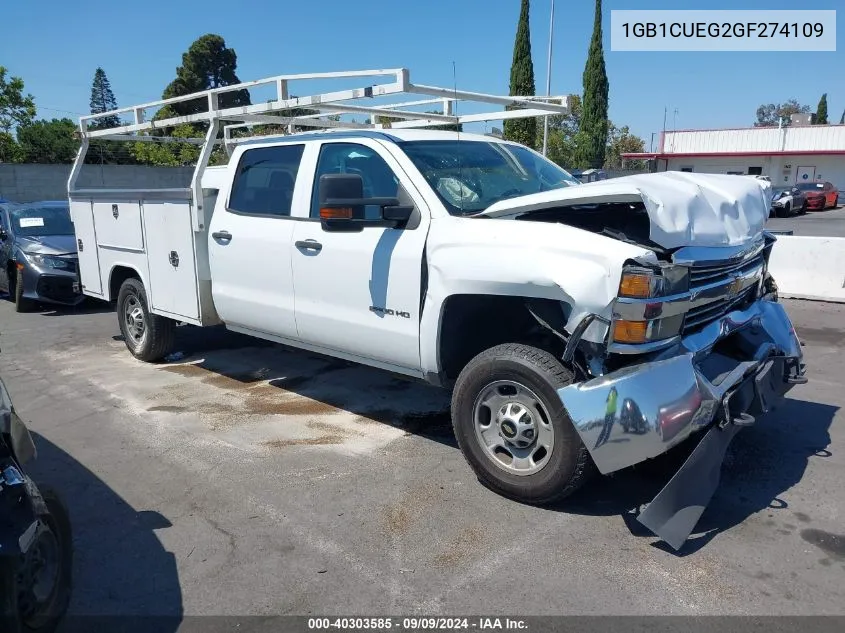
{"x": 389, "y": 312}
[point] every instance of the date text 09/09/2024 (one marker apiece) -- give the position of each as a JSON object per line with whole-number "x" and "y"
{"x": 418, "y": 623}
{"x": 724, "y": 29}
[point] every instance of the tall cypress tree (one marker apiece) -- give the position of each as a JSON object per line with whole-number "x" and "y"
{"x": 821, "y": 111}
{"x": 522, "y": 81}
{"x": 102, "y": 100}
{"x": 592, "y": 141}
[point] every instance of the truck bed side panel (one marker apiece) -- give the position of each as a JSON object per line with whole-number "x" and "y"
{"x": 89, "y": 262}
{"x": 170, "y": 253}
{"x": 119, "y": 225}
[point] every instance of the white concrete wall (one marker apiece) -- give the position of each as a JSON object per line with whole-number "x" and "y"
{"x": 809, "y": 267}
{"x": 27, "y": 183}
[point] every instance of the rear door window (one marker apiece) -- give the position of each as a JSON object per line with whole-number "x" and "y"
{"x": 265, "y": 180}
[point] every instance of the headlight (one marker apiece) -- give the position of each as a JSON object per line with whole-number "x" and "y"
{"x": 778, "y": 203}
{"x": 47, "y": 261}
{"x": 637, "y": 283}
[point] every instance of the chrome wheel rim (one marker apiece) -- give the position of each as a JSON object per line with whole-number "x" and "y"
{"x": 133, "y": 317}
{"x": 513, "y": 427}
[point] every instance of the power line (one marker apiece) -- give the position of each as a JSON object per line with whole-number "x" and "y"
{"x": 62, "y": 111}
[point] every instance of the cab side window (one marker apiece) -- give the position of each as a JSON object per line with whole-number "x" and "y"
{"x": 265, "y": 180}
{"x": 350, "y": 158}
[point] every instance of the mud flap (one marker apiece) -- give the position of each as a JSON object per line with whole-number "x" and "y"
{"x": 675, "y": 511}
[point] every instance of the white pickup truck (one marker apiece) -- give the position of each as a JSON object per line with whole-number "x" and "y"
{"x": 578, "y": 326}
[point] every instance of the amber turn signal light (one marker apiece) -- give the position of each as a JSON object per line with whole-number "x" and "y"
{"x": 636, "y": 285}
{"x": 340, "y": 213}
{"x": 633, "y": 332}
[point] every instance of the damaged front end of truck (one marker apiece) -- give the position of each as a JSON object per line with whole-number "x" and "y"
{"x": 694, "y": 344}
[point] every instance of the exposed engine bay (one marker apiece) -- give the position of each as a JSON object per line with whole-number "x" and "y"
{"x": 627, "y": 222}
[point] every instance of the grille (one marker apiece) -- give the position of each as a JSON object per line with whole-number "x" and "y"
{"x": 56, "y": 288}
{"x": 701, "y": 316}
{"x": 711, "y": 273}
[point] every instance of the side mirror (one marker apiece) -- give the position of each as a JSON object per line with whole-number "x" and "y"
{"x": 3, "y": 234}
{"x": 342, "y": 205}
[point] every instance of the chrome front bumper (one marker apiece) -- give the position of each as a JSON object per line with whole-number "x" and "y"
{"x": 731, "y": 371}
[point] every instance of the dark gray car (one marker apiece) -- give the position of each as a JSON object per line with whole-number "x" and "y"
{"x": 38, "y": 258}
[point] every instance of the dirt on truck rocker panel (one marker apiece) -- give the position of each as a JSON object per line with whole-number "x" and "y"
{"x": 581, "y": 328}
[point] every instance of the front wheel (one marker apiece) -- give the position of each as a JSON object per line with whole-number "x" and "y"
{"x": 42, "y": 583}
{"x": 513, "y": 428}
{"x": 149, "y": 337}
{"x": 22, "y": 304}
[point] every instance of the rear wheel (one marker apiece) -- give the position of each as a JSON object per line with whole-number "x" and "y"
{"x": 513, "y": 428}
{"x": 149, "y": 337}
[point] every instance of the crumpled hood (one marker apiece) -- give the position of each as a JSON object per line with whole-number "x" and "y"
{"x": 48, "y": 244}
{"x": 684, "y": 209}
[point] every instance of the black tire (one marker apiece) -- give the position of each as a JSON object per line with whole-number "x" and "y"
{"x": 785, "y": 212}
{"x": 157, "y": 339}
{"x": 569, "y": 464}
{"x": 46, "y": 616}
{"x": 22, "y": 304}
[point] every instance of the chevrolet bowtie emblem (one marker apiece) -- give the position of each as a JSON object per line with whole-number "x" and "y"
{"x": 734, "y": 287}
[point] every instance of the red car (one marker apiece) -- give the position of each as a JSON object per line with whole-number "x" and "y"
{"x": 820, "y": 195}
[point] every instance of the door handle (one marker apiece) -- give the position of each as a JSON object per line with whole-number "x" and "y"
{"x": 223, "y": 236}
{"x": 309, "y": 245}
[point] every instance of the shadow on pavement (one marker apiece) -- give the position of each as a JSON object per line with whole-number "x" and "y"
{"x": 763, "y": 462}
{"x": 88, "y": 306}
{"x": 124, "y": 579}
{"x": 243, "y": 362}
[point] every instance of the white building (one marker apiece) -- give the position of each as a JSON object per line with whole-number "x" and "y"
{"x": 790, "y": 154}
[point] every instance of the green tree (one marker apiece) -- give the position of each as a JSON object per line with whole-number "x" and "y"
{"x": 169, "y": 153}
{"x": 770, "y": 115}
{"x": 10, "y": 151}
{"x": 522, "y": 81}
{"x": 208, "y": 63}
{"x": 102, "y": 100}
{"x": 592, "y": 137}
{"x": 45, "y": 141}
{"x": 621, "y": 141}
{"x": 842, "y": 118}
{"x": 173, "y": 153}
{"x": 563, "y": 130}
{"x": 16, "y": 109}
{"x": 821, "y": 111}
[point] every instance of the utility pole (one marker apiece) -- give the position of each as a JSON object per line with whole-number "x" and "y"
{"x": 548, "y": 80}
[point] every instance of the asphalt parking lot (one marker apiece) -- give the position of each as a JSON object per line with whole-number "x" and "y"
{"x": 830, "y": 223}
{"x": 249, "y": 479}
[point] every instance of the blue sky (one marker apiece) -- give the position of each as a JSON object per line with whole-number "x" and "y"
{"x": 55, "y": 46}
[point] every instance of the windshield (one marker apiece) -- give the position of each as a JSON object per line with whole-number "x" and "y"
{"x": 40, "y": 221}
{"x": 811, "y": 186}
{"x": 469, "y": 176}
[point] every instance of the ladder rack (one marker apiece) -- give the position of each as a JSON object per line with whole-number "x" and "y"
{"x": 396, "y": 82}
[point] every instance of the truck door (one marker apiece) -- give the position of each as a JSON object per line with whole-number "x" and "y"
{"x": 250, "y": 239}
{"x": 359, "y": 293}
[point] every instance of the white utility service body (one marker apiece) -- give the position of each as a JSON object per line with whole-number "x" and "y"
{"x": 578, "y": 324}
